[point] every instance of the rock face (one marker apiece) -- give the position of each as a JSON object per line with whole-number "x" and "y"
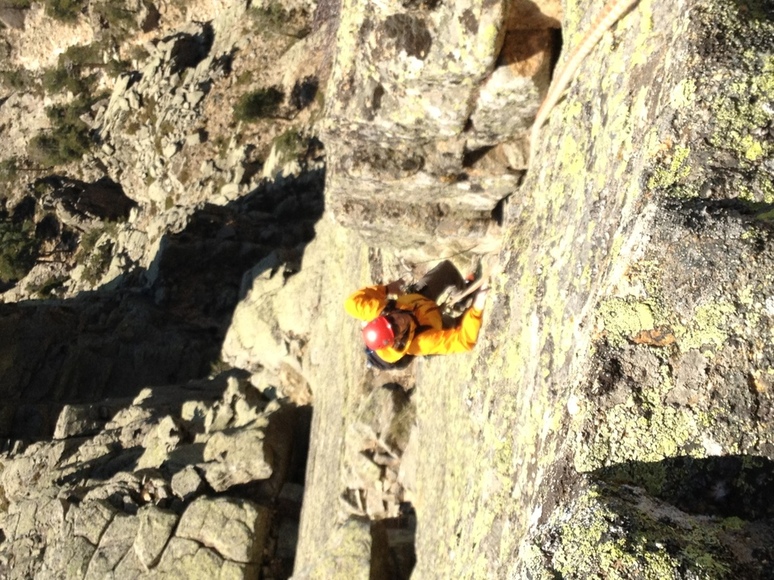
{"x": 627, "y": 338}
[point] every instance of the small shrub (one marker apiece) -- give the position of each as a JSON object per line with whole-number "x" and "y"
{"x": 116, "y": 20}
{"x": 82, "y": 55}
{"x": 260, "y": 104}
{"x": 117, "y": 67}
{"x": 68, "y": 74}
{"x": 9, "y": 169}
{"x": 90, "y": 238}
{"x": 18, "y": 250}
{"x": 166, "y": 127}
{"x": 18, "y": 4}
{"x": 221, "y": 144}
{"x": 132, "y": 127}
{"x": 64, "y": 10}
{"x": 244, "y": 78}
{"x": 290, "y": 144}
{"x": 79, "y": 57}
{"x": 17, "y": 80}
{"x": 95, "y": 256}
{"x": 116, "y": 16}
{"x": 60, "y": 145}
{"x": 97, "y": 263}
{"x": 69, "y": 114}
{"x": 138, "y": 52}
{"x": 274, "y": 19}
{"x": 60, "y": 79}
{"x": 68, "y": 139}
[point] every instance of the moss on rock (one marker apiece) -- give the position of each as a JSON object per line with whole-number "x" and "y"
{"x": 616, "y": 531}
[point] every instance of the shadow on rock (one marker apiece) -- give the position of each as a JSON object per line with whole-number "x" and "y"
{"x": 728, "y": 486}
{"x": 682, "y": 517}
{"x": 154, "y": 327}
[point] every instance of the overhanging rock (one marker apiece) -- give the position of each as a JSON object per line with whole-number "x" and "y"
{"x": 426, "y": 114}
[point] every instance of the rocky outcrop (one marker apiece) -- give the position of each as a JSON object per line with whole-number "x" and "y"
{"x": 437, "y": 98}
{"x": 85, "y": 206}
{"x": 127, "y": 452}
{"x": 132, "y": 500}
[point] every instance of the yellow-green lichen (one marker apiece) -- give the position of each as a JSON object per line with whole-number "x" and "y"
{"x": 629, "y": 436}
{"x": 683, "y": 94}
{"x": 741, "y": 111}
{"x": 677, "y": 170}
{"x": 730, "y": 103}
{"x": 571, "y": 157}
{"x": 590, "y": 545}
{"x": 753, "y": 149}
{"x": 709, "y": 326}
{"x": 643, "y": 429}
{"x": 622, "y": 319}
{"x": 608, "y": 532}
{"x": 645, "y": 8}
{"x": 733, "y": 523}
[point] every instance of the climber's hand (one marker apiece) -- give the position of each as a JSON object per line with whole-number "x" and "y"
{"x": 395, "y": 287}
{"x": 480, "y": 300}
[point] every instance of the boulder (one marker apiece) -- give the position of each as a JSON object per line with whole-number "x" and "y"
{"x": 187, "y": 483}
{"x": 90, "y": 520}
{"x": 234, "y": 529}
{"x": 78, "y": 420}
{"x": 116, "y": 541}
{"x": 346, "y": 554}
{"x": 190, "y": 559}
{"x": 159, "y": 442}
{"x": 153, "y": 533}
{"x": 234, "y": 457}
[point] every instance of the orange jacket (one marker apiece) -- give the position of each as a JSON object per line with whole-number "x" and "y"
{"x": 367, "y": 303}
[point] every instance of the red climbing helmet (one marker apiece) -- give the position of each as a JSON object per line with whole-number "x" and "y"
{"x": 378, "y": 333}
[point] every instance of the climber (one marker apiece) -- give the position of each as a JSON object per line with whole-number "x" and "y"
{"x": 398, "y": 324}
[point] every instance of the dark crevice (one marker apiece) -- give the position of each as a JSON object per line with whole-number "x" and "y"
{"x": 498, "y": 213}
{"x": 471, "y": 157}
{"x": 393, "y": 553}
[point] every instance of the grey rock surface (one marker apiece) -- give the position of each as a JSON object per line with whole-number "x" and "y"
{"x": 236, "y": 530}
{"x": 155, "y": 530}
